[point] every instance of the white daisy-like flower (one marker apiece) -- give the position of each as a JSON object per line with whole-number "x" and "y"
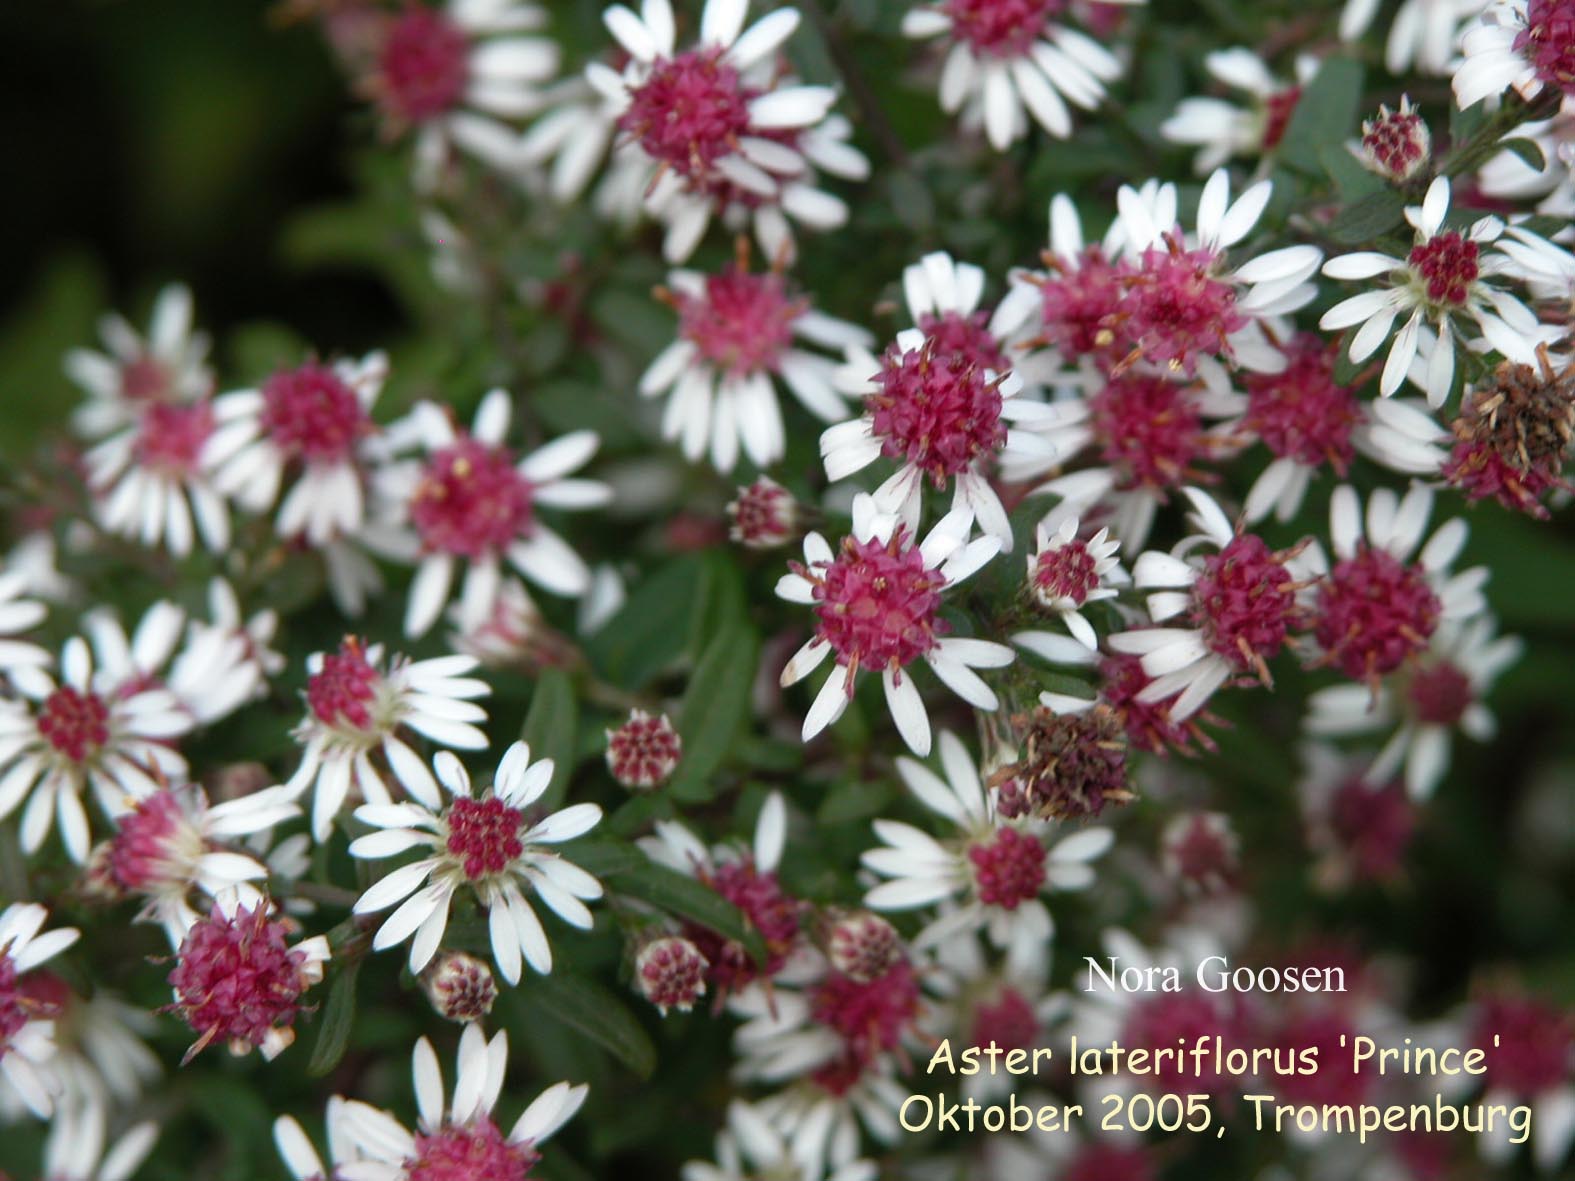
{"x": 751, "y": 1147}
{"x": 448, "y": 1133}
{"x": 718, "y": 129}
{"x": 223, "y": 662}
{"x": 1522, "y": 45}
{"x": 471, "y": 500}
{"x": 1443, "y": 690}
{"x": 1376, "y": 608}
{"x": 737, "y": 344}
{"x": 1221, "y": 130}
{"x": 78, "y": 1147}
{"x": 485, "y": 843}
{"x": 876, "y": 600}
{"x": 101, "y": 1052}
{"x": 101, "y": 725}
{"x": 27, "y": 1033}
{"x": 1014, "y": 60}
{"x": 1444, "y": 282}
{"x": 310, "y": 424}
{"x": 18, "y": 616}
{"x": 938, "y": 400}
{"x": 171, "y": 844}
{"x": 821, "y": 1126}
{"x": 460, "y": 76}
{"x": 300, "y": 1155}
{"x": 132, "y": 371}
{"x": 1424, "y": 35}
{"x": 1066, "y": 573}
{"x": 994, "y": 870}
{"x": 515, "y": 635}
{"x": 359, "y": 704}
{"x": 1238, "y": 606}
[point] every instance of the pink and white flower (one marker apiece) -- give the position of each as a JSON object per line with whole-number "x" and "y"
{"x": 482, "y": 843}
{"x": 1012, "y": 60}
{"x": 737, "y": 344}
{"x": 1066, "y": 573}
{"x": 1222, "y": 130}
{"x": 359, "y": 704}
{"x": 877, "y": 600}
{"x": 456, "y": 1140}
{"x": 471, "y": 500}
{"x": 1522, "y": 45}
{"x": 27, "y": 1032}
{"x": 751, "y": 1147}
{"x": 18, "y": 616}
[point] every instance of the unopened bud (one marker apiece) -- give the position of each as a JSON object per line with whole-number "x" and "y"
{"x": 1396, "y": 144}
{"x": 460, "y": 986}
{"x": 671, "y": 973}
{"x": 862, "y": 946}
{"x": 1199, "y": 851}
{"x": 763, "y": 516}
{"x": 643, "y": 752}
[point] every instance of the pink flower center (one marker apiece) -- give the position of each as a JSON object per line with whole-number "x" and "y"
{"x": 143, "y": 855}
{"x": 1064, "y": 574}
{"x": 1277, "y": 111}
{"x": 1081, "y": 305}
{"x": 871, "y": 1016}
{"x": 1179, "y": 1019}
{"x": 1373, "y": 825}
{"x": 1440, "y": 694}
{"x": 1150, "y": 430}
{"x": 76, "y": 724}
{"x": 15, "y": 1012}
{"x": 236, "y": 979}
{"x": 172, "y": 435}
{"x": 484, "y": 835}
{"x": 1301, "y": 413}
{"x": 313, "y": 413}
{"x": 146, "y": 379}
{"x": 1374, "y": 612}
{"x": 341, "y": 692}
{"x": 1202, "y": 854}
{"x": 1148, "y": 724}
{"x": 472, "y": 1151}
{"x": 937, "y": 410}
{"x": 1397, "y": 141}
{"x": 1335, "y": 1081}
{"x": 1001, "y": 28}
{"x": 863, "y": 946}
{"x": 968, "y": 336}
{"x": 1008, "y": 1021}
{"x": 1534, "y": 1044}
{"x": 877, "y": 603}
{"x": 1244, "y": 602}
{"x": 689, "y": 113}
{"x": 471, "y": 501}
{"x": 1009, "y": 869}
{"x": 763, "y": 515}
{"x": 771, "y": 912}
{"x": 644, "y": 751}
{"x": 743, "y": 323}
{"x": 1177, "y": 310}
{"x": 1104, "y": 1162}
{"x": 1447, "y": 266}
{"x": 1548, "y": 41}
{"x": 423, "y": 67}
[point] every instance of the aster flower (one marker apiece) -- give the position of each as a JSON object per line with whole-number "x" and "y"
{"x": 486, "y": 844}
{"x": 27, "y": 1029}
{"x": 1446, "y": 283}
{"x": 172, "y": 843}
{"x": 513, "y": 635}
{"x": 458, "y": 1139}
{"x": 1239, "y": 605}
{"x": 78, "y": 1149}
{"x": 300, "y": 1156}
{"x": 1530, "y": 1047}
{"x": 939, "y": 400}
{"x": 1222, "y": 130}
{"x": 1067, "y": 758}
{"x": 458, "y": 77}
{"x": 1010, "y": 60}
{"x": 1360, "y": 828}
{"x": 995, "y": 870}
{"x": 751, "y": 1147}
{"x": 1377, "y": 607}
{"x": 717, "y": 130}
{"x": 101, "y": 1053}
{"x": 133, "y": 371}
{"x": 472, "y": 500}
{"x": 896, "y": 587}
{"x": 308, "y": 423}
{"x": 764, "y": 515}
{"x": 735, "y": 348}
{"x": 80, "y": 728}
{"x": 236, "y": 978}
{"x": 748, "y": 879}
{"x": 1442, "y": 690}
{"x": 1424, "y": 35}
{"x": 358, "y": 705}
{"x": 1518, "y": 44}
{"x": 18, "y": 616}
{"x": 1065, "y": 573}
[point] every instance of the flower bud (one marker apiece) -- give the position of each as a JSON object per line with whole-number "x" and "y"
{"x": 643, "y": 752}
{"x": 459, "y": 986}
{"x": 1395, "y": 144}
{"x": 862, "y": 946}
{"x": 670, "y": 972}
{"x": 764, "y": 515}
{"x": 1199, "y": 850}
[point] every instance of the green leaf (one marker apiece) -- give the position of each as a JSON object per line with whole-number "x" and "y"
{"x": 1370, "y": 218}
{"x": 606, "y": 859}
{"x": 595, "y": 1012}
{"x": 854, "y": 799}
{"x": 1325, "y": 115}
{"x": 678, "y": 894}
{"x": 549, "y": 729}
{"x": 1346, "y": 370}
{"x": 1351, "y": 180}
{"x": 1464, "y": 124}
{"x": 1528, "y": 150}
{"x": 722, "y": 600}
{"x": 649, "y": 633}
{"x": 715, "y": 708}
{"x": 333, "y": 1028}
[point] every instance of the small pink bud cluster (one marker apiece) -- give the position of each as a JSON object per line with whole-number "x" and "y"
{"x": 671, "y": 973}
{"x": 764, "y": 515}
{"x": 1200, "y": 852}
{"x": 1396, "y": 144}
{"x": 862, "y": 946}
{"x": 460, "y": 986}
{"x": 643, "y": 752}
